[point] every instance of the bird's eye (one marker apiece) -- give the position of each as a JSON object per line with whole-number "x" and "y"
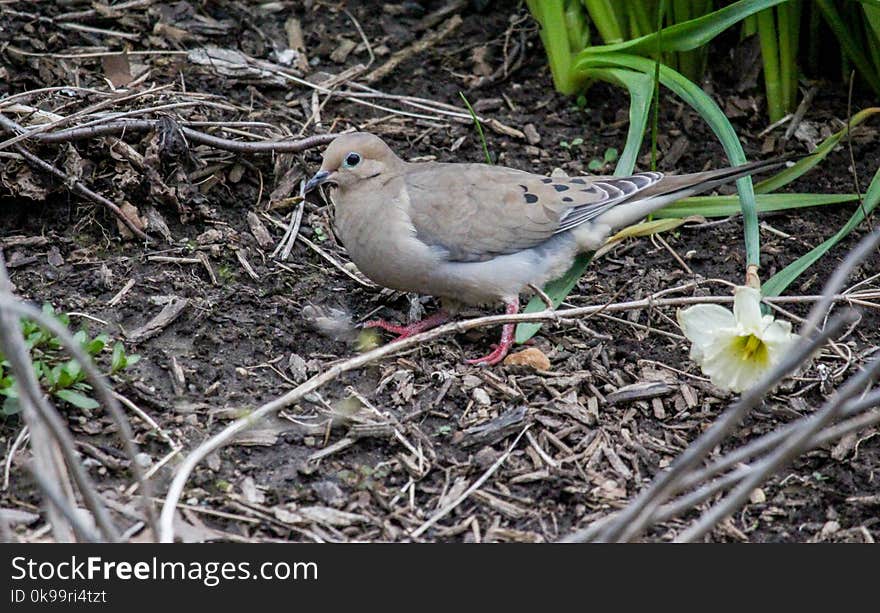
{"x": 352, "y": 160}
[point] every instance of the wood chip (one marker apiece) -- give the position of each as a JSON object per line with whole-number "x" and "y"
{"x": 166, "y": 317}
{"x": 639, "y": 391}
{"x": 493, "y": 431}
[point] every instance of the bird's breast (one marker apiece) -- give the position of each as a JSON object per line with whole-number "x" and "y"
{"x": 381, "y": 242}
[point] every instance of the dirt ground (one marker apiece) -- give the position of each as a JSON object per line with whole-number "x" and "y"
{"x": 318, "y": 472}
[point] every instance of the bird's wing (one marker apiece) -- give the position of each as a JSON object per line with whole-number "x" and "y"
{"x": 474, "y": 212}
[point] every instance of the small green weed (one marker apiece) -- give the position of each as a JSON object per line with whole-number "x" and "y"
{"x": 62, "y": 378}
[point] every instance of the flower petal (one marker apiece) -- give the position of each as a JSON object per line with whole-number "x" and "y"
{"x": 702, "y": 323}
{"x": 727, "y": 369}
{"x": 747, "y": 309}
{"x": 778, "y": 338}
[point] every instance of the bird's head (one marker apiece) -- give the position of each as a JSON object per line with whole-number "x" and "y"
{"x": 352, "y": 158}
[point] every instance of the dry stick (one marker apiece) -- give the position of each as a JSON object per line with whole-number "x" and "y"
{"x": 787, "y": 451}
{"x": 73, "y": 183}
{"x": 636, "y": 516}
{"x": 140, "y": 125}
{"x": 865, "y": 247}
{"x": 473, "y": 488}
{"x": 227, "y": 434}
{"x": 117, "y": 8}
{"x": 56, "y": 499}
{"x": 78, "y": 187}
{"x": 690, "y": 501}
{"x": 771, "y": 440}
{"x": 28, "y": 133}
{"x": 852, "y": 158}
{"x": 43, "y": 420}
{"x": 768, "y": 441}
{"x": 420, "y": 45}
{"x": 44, "y": 448}
{"x": 20, "y": 439}
{"x": 99, "y": 384}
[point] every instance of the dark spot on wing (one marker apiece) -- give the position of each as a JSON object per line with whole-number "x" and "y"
{"x": 524, "y": 188}
{"x": 530, "y": 198}
{"x": 567, "y": 199}
{"x": 547, "y": 180}
{"x": 560, "y": 188}
{"x": 579, "y": 181}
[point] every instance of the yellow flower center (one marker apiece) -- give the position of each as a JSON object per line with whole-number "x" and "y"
{"x": 751, "y": 348}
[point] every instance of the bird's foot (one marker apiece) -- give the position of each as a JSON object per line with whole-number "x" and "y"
{"x": 403, "y": 332}
{"x": 503, "y": 348}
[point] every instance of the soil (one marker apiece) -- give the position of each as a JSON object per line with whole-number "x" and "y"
{"x": 243, "y": 339}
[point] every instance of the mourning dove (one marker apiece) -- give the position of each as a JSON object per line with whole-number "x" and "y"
{"x": 477, "y": 233}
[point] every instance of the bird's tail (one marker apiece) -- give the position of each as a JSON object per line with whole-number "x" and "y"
{"x": 672, "y": 188}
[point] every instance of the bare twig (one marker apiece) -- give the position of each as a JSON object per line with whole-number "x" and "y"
{"x": 473, "y": 488}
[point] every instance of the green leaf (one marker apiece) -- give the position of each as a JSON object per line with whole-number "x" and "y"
{"x": 689, "y": 34}
{"x": 701, "y": 102}
{"x": 849, "y": 43}
{"x": 11, "y": 406}
{"x": 551, "y": 15}
{"x": 641, "y": 91}
{"x": 74, "y": 370}
{"x": 611, "y": 155}
{"x": 50, "y": 374}
{"x": 777, "y": 284}
{"x": 118, "y": 361}
{"x": 97, "y": 344}
{"x": 557, "y": 291}
{"x": 78, "y": 400}
{"x": 725, "y": 206}
{"x": 595, "y": 165}
{"x": 63, "y": 378}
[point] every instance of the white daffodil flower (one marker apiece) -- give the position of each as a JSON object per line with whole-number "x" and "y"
{"x": 735, "y": 349}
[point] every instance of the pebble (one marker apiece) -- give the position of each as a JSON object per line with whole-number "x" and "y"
{"x": 481, "y": 397}
{"x": 531, "y": 134}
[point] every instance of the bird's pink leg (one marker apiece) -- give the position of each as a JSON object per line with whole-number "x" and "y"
{"x": 503, "y": 347}
{"x": 440, "y": 317}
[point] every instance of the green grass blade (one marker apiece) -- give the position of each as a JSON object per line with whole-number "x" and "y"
{"x": 603, "y": 15}
{"x": 778, "y": 283}
{"x": 725, "y": 206}
{"x": 700, "y": 101}
{"x": 850, "y": 45}
{"x": 641, "y": 91}
{"x": 561, "y": 288}
{"x": 690, "y": 34}
{"x": 786, "y": 176}
{"x": 551, "y": 15}
{"x": 770, "y": 55}
{"x": 479, "y": 127}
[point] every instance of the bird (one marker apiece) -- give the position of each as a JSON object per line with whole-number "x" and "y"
{"x": 481, "y": 234}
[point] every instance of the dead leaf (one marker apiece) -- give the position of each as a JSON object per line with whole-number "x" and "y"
{"x": 117, "y": 69}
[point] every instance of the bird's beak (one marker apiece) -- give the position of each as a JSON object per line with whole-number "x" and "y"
{"x": 322, "y": 176}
